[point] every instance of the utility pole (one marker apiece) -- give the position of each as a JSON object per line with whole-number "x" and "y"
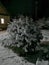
{"x": 35, "y": 9}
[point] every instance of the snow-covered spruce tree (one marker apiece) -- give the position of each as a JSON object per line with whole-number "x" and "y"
{"x": 23, "y": 33}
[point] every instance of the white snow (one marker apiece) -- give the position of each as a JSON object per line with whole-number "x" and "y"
{"x": 8, "y": 57}
{"x": 45, "y": 34}
{"x": 42, "y": 62}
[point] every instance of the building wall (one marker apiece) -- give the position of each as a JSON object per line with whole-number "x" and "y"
{"x": 3, "y": 10}
{"x": 6, "y": 20}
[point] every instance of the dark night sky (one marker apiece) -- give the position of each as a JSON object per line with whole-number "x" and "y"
{"x": 27, "y": 6}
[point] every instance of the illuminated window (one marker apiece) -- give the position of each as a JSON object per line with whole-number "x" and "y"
{"x": 2, "y": 20}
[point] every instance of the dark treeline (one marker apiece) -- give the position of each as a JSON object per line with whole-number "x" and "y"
{"x": 27, "y": 7}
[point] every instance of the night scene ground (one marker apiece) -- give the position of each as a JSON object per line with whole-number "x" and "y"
{"x": 24, "y": 32}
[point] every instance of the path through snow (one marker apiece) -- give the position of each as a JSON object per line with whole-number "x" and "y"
{"x": 7, "y": 57}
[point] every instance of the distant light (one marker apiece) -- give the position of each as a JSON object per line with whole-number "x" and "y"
{"x": 2, "y": 20}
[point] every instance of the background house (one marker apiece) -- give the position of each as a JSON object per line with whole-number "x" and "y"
{"x": 4, "y": 17}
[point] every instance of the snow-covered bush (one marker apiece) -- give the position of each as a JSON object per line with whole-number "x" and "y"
{"x": 24, "y": 33}
{"x": 46, "y": 24}
{"x": 43, "y": 23}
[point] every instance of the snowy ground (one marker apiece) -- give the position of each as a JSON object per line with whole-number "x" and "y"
{"x": 45, "y": 34}
{"x": 7, "y": 57}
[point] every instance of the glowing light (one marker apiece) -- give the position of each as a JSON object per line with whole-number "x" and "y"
{"x": 2, "y": 20}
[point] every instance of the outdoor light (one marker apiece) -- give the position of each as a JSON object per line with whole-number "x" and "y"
{"x": 2, "y": 20}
